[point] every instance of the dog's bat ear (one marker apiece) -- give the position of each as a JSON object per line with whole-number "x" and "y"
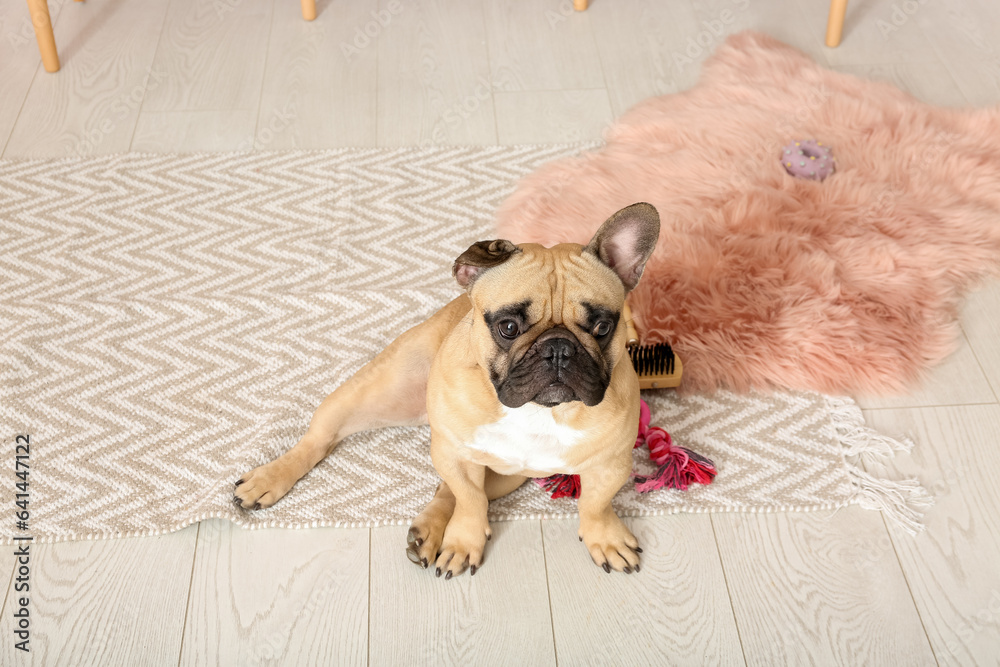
{"x": 626, "y": 240}
{"x": 480, "y": 256}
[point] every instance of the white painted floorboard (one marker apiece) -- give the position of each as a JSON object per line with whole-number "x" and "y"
{"x": 806, "y": 589}
{"x": 92, "y": 105}
{"x": 105, "y": 602}
{"x": 498, "y": 617}
{"x": 674, "y": 611}
{"x": 952, "y": 567}
{"x": 278, "y": 596}
{"x": 729, "y": 589}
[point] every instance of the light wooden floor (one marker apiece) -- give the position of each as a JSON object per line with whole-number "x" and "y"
{"x": 832, "y": 588}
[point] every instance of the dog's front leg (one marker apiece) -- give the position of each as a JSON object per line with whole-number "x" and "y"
{"x": 423, "y": 540}
{"x": 610, "y": 543}
{"x": 468, "y": 529}
{"x": 389, "y": 390}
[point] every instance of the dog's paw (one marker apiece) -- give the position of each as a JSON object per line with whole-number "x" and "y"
{"x": 423, "y": 540}
{"x": 462, "y": 548}
{"x": 262, "y": 487}
{"x": 611, "y": 544}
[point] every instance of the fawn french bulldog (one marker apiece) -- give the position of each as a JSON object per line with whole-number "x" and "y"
{"x": 524, "y": 375}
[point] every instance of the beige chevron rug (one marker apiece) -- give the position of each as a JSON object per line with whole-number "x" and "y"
{"x": 170, "y": 322}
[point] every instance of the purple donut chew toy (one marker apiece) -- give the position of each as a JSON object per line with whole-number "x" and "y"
{"x": 807, "y": 159}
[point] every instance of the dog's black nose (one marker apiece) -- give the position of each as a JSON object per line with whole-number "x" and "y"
{"x": 558, "y": 351}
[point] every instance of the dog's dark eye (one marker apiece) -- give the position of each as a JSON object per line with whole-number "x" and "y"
{"x": 602, "y": 329}
{"x": 508, "y": 328}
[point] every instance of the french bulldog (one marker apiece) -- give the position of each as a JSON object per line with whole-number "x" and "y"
{"x": 523, "y": 375}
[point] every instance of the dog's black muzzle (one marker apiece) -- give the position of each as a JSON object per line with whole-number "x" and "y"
{"x": 555, "y": 369}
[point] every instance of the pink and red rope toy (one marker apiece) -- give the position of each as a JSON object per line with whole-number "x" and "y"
{"x": 679, "y": 467}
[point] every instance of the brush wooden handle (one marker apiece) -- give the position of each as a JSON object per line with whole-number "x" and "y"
{"x": 632, "y": 336}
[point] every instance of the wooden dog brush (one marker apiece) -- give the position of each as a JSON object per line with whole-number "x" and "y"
{"x": 656, "y": 365}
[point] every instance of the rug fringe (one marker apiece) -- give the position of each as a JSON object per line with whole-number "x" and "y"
{"x": 904, "y": 501}
{"x": 860, "y": 440}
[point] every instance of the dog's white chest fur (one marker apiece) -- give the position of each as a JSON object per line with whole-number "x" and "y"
{"x": 527, "y": 438}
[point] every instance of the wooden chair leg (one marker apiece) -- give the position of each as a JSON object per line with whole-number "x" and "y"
{"x": 835, "y": 24}
{"x": 43, "y": 34}
{"x": 308, "y": 9}
{"x": 580, "y": 5}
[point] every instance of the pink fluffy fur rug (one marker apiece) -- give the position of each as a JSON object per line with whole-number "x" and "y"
{"x": 764, "y": 280}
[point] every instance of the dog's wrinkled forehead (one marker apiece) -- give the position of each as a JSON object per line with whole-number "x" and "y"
{"x": 620, "y": 248}
{"x": 548, "y": 284}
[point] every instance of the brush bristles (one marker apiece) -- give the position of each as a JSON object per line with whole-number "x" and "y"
{"x": 655, "y": 359}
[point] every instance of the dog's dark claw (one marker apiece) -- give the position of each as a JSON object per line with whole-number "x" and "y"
{"x": 237, "y": 501}
{"x": 256, "y": 506}
{"x": 607, "y": 568}
{"x": 437, "y": 572}
{"x": 447, "y": 576}
{"x": 423, "y": 561}
{"x": 238, "y": 482}
{"x": 638, "y": 550}
{"x": 636, "y": 567}
{"x": 627, "y": 570}
{"x": 489, "y": 537}
{"x": 473, "y": 568}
